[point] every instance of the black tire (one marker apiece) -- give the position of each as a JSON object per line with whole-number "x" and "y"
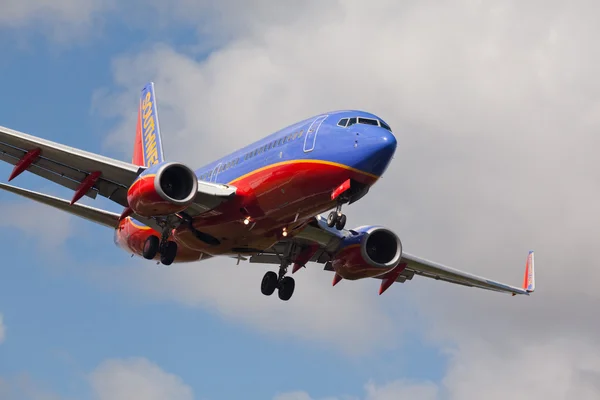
{"x": 150, "y": 247}
{"x": 341, "y": 222}
{"x": 286, "y": 288}
{"x": 269, "y": 283}
{"x": 332, "y": 219}
{"x": 169, "y": 253}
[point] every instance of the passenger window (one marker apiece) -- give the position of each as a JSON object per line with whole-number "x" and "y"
{"x": 343, "y": 122}
{"x": 300, "y": 133}
{"x": 351, "y": 121}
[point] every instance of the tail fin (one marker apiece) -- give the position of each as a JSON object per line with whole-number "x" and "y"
{"x": 529, "y": 279}
{"x": 147, "y": 149}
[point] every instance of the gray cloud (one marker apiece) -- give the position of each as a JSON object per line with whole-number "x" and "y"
{"x": 495, "y": 106}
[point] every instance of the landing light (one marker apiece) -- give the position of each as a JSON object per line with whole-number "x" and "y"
{"x": 247, "y": 221}
{"x": 284, "y": 233}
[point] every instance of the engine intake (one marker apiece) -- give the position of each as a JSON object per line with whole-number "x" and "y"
{"x": 165, "y": 190}
{"x": 381, "y": 248}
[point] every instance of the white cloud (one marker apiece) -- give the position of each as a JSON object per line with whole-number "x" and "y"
{"x": 2, "y": 329}
{"x": 113, "y": 379}
{"x": 63, "y": 20}
{"x": 396, "y": 390}
{"x": 293, "y": 396}
{"x": 495, "y": 107}
{"x": 136, "y": 378}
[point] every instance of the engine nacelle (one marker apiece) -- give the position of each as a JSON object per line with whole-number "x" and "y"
{"x": 370, "y": 251}
{"x": 163, "y": 189}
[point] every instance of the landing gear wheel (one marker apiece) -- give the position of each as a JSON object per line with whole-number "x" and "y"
{"x": 332, "y": 219}
{"x": 341, "y": 222}
{"x": 168, "y": 253}
{"x": 269, "y": 283}
{"x": 286, "y": 288}
{"x": 150, "y": 247}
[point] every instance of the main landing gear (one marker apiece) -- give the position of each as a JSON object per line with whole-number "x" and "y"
{"x": 166, "y": 248}
{"x": 284, "y": 284}
{"x": 336, "y": 218}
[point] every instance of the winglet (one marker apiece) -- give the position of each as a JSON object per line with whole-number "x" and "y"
{"x": 529, "y": 279}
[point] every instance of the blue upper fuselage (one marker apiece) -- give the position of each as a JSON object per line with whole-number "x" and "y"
{"x": 355, "y": 139}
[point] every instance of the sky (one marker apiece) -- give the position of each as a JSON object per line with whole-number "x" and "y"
{"x": 496, "y": 108}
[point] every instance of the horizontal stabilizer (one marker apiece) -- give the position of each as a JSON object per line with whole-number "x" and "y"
{"x": 96, "y": 215}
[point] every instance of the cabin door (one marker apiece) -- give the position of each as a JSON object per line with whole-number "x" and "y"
{"x": 213, "y": 176}
{"x": 311, "y": 136}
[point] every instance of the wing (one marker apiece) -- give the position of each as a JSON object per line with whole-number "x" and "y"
{"x": 322, "y": 242}
{"x": 96, "y": 215}
{"x": 87, "y": 173}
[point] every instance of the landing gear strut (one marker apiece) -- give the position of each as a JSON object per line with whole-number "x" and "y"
{"x": 166, "y": 248}
{"x": 336, "y": 218}
{"x": 285, "y": 285}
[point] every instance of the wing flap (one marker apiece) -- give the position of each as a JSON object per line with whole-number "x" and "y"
{"x": 49, "y": 175}
{"x": 96, "y": 215}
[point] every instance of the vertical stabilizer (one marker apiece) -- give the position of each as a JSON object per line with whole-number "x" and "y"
{"x": 147, "y": 150}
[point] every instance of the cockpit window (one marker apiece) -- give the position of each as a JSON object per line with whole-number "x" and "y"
{"x": 384, "y": 125}
{"x": 368, "y": 121}
{"x": 346, "y": 122}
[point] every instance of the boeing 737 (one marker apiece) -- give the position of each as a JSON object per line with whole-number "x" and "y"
{"x": 262, "y": 203}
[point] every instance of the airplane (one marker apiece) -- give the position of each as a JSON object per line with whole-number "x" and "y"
{"x": 262, "y": 203}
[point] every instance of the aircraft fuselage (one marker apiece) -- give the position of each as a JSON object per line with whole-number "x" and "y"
{"x": 282, "y": 182}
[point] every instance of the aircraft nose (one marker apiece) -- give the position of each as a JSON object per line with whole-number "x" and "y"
{"x": 388, "y": 141}
{"x": 383, "y": 143}
{"x": 378, "y": 147}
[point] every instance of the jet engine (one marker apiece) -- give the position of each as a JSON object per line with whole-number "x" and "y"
{"x": 368, "y": 252}
{"x": 162, "y": 190}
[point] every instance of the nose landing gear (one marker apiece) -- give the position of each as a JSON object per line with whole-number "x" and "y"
{"x": 336, "y": 218}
